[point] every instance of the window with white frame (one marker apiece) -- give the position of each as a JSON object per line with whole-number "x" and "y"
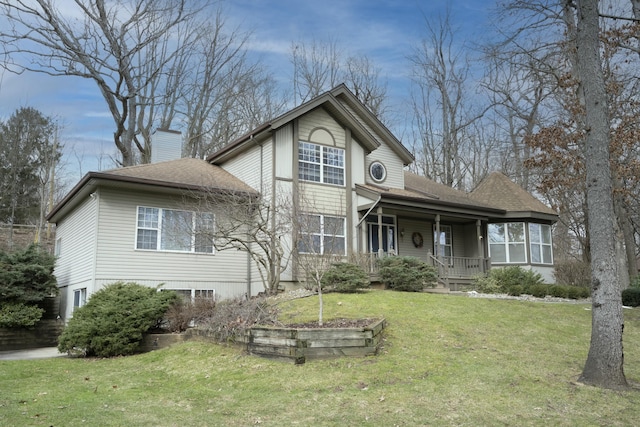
{"x": 507, "y": 243}
{"x": 540, "y": 243}
{"x": 443, "y": 243}
{"x": 318, "y": 163}
{"x": 79, "y": 297}
{"x": 322, "y": 234}
{"x": 174, "y": 230}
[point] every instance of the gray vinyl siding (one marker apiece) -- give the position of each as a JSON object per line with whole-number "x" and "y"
{"x": 284, "y": 152}
{"x": 117, "y": 258}
{"x": 320, "y": 119}
{"x": 405, "y": 243}
{"x": 76, "y": 233}
{"x": 393, "y": 164}
{"x": 249, "y": 165}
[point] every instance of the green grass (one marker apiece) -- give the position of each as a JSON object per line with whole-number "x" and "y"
{"x": 447, "y": 360}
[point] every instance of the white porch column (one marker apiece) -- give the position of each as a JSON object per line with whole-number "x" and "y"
{"x": 437, "y": 237}
{"x": 380, "y": 249}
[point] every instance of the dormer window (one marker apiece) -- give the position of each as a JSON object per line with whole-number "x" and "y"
{"x": 318, "y": 163}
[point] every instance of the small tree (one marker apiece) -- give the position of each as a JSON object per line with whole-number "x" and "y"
{"x": 114, "y": 319}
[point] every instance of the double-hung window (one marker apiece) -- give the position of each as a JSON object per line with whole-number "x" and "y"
{"x": 322, "y": 234}
{"x": 443, "y": 243}
{"x": 507, "y": 243}
{"x": 540, "y": 238}
{"x": 318, "y": 163}
{"x": 79, "y": 298}
{"x": 174, "y": 230}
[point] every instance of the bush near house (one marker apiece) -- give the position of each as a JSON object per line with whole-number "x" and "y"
{"x": 345, "y": 277}
{"x": 406, "y": 273}
{"x": 26, "y": 279}
{"x": 516, "y": 281}
{"x": 501, "y": 280}
{"x": 114, "y": 320}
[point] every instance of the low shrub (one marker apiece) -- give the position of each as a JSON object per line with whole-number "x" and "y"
{"x": 631, "y": 297}
{"x": 559, "y": 291}
{"x": 19, "y": 315}
{"x": 233, "y": 317}
{"x": 345, "y": 277}
{"x": 406, "y": 273}
{"x": 538, "y": 291}
{"x": 515, "y": 290}
{"x": 114, "y": 320}
{"x": 185, "y": 313}
{"x": 501, "y": 279}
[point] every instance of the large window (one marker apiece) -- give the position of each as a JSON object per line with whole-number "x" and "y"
{"x": 507, "y": 243}
{"x": 174, "y": 230}
{"x": 540, "y": 238}
{"x": 318, "y": 163}
{"x": 322, "y": 234}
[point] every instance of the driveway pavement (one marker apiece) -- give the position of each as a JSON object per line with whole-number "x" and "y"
{"x": 33, "y": 353}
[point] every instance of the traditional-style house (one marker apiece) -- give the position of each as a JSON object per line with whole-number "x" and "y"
{"x": 341, "y": 169}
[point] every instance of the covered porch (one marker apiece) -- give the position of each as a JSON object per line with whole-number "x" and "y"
{"x": 447, "y": 234}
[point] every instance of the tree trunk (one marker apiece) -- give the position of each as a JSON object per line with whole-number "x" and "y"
{"x": 604, "y": 365}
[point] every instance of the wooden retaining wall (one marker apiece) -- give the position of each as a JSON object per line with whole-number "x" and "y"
{"x": 298, "y": 345}
{"x": 290, "y": 344}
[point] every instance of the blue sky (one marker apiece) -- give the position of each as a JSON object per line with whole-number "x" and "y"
{"x": 384, "y": 30}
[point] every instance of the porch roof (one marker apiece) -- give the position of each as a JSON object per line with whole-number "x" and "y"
{"x": 430, "y": 196}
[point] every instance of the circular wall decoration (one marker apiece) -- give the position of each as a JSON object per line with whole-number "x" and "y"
{"x": 417, "y": 240}
{"x": 377, "y": 171}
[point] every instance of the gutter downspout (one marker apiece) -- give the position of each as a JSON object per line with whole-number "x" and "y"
{"x": 359, "y": 225}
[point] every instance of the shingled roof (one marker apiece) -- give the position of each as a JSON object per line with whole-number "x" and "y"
{"x": 186, "y": 173}
{"x": 500, "y": 191}
{"x": 442, "y": 192}
{"x": 173, "y": 175}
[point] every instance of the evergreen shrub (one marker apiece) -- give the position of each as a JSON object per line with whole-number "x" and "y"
{"x": 406, "y": 273}
{"x": 631, "y": 297}
{"x": 113, "y": 321}
{"x": 345, "y": 277}
{"x": 26, "y": 276}
{"x": 500, "y": 279}
{"x": 515, "y": 290}
{"x": 19, "y": 315}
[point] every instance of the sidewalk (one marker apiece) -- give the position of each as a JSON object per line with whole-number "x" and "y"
{"x": 32, "y": 353}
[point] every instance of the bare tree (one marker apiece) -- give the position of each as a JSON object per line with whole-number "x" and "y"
{"x": 320, "y": 66}
{"x": 604, "y": 365}
{"x": 111, "y": 44}
{"x": 442, "y": 109}
{"x": 251, "y": 223}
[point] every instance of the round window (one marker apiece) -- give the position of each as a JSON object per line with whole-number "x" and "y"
{"x": 377, "y": 171}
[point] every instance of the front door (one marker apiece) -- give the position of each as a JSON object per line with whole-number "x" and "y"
{"x": 389, "y": 243}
